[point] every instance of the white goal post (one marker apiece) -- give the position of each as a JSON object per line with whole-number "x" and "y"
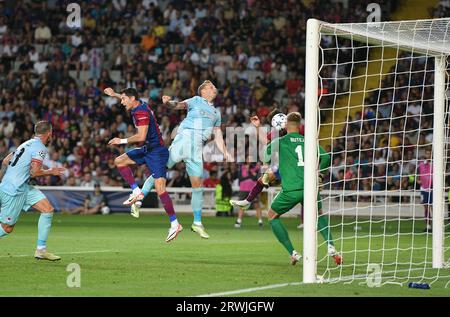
{"x": 426, "y": 39}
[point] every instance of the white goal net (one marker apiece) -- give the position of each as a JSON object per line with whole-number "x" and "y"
{"x": 377, "y": 100}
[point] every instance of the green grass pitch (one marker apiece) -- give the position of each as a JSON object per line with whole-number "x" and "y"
{"x": 122, "y": 256}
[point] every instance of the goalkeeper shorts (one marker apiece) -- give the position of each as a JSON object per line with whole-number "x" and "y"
{"x": 285, "y": 201}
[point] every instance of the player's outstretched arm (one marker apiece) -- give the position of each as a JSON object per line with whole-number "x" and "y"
{"x": 261, "y": 135}
{"x": 175, "y": 104}
{"x": 36, "y": 170}
{"x": 218, "y": 139}
{"x": 110, "y": 92}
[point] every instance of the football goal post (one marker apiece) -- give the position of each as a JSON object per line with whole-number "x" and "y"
{"x": 376, "y": 98}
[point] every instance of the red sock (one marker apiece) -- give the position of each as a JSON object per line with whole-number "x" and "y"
{"x": 127, "y": 175}
{"x": 255, "y": 191}
{"x": 168, "y": 205}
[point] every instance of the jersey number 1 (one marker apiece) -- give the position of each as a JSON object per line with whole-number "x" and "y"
{"x": 17, "y": 157}
{"x": 299, "y": 152}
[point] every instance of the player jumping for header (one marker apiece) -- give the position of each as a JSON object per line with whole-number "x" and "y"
{"x": 291, "y": 168}
{"x": 17, "y": 195}
{"x": 201, "y": 121}
{"x": 152, "y": 152}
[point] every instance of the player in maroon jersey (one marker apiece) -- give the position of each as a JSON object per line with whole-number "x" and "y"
{"x": 151, "y": 151}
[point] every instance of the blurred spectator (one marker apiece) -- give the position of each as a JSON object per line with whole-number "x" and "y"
{"x": 248, "y": 175}
{"x": 223, "y": 195}
{"x": 93, "y": 204}
{"x": 42, "y": 34}
{"x": 87, "y": 180}
{"x": 426, "y": 186}
{"x": 212, "y": 180}
{"x": 6, "y": 128}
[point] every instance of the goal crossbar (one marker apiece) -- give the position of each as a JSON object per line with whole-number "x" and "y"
{"x": 413, "y": 35}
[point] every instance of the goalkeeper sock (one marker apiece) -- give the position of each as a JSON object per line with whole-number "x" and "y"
{"x": 282, "y": 235}
{"x": 168, "y": 206}
{"x": 324, "y": 229}
{"x": 44, "y": 225}
{"x": 148, "y": 185}
{"x": 127, "y": 175}
{"x": 255, "y": 191}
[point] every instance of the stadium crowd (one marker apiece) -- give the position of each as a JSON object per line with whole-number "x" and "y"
{"x": 252, "y": 50}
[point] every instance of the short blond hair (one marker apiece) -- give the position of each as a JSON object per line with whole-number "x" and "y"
{"x": 202, "y": 86}
{"x": 294, "y": 117}
{"x": 42, "y": 127}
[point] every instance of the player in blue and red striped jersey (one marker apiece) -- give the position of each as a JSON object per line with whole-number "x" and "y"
{"x": 151, "y": 152}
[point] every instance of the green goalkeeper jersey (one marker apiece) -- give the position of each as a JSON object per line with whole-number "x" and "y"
{"x": 291, "y": 151}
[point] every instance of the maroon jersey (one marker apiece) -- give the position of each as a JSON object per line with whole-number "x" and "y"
{"x": 143, "y": 115}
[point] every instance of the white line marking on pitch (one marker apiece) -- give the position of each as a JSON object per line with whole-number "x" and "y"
{"x": 255, "y": 289}
{"x": 77, "y": 252}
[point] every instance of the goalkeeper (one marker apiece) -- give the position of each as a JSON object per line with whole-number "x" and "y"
{"x": 290, "y": 149}
{"x": 272, "y": 177}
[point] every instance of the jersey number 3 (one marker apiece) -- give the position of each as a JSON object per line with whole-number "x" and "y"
{"x": 299, "y": 152}
{"x": 17, "y": 157}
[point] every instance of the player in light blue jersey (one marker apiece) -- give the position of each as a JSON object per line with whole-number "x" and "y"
{"x": 201, "y": 121}
{"x": 17, "y": 195}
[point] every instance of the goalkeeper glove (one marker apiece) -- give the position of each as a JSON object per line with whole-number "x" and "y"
{"x": 320, "y": 179}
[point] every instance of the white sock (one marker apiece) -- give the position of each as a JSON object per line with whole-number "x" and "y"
{"x": 41, "y": 247}
{"x": 239, "y": 220}
{"x": 137, "y": 191}
{"x": 174, "y": 223}
{"x": 197, "y": 223}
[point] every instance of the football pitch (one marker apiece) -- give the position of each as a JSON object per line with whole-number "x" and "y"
{"x": 122, "y": 256}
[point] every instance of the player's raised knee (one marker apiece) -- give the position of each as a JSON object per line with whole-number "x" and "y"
{"x": 118, "y": 161}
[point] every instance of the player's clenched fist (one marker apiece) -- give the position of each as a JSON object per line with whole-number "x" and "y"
{"x": 109, "y": 91}
{"x": 115, "y": 141}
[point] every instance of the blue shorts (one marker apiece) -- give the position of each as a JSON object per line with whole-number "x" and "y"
{"x": 155, "y": 159}
{"x": 11, "y": 206}
{"x": 427, "y": 197}
{"x": 188, "y": 147}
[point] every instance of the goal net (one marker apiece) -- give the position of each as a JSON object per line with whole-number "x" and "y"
{"x": 377, "y": 101}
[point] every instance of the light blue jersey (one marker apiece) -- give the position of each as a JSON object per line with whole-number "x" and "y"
{"x": 201, "y": 116}
{"x": 195, "y": 129}
{"x": 17, "y": 174}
